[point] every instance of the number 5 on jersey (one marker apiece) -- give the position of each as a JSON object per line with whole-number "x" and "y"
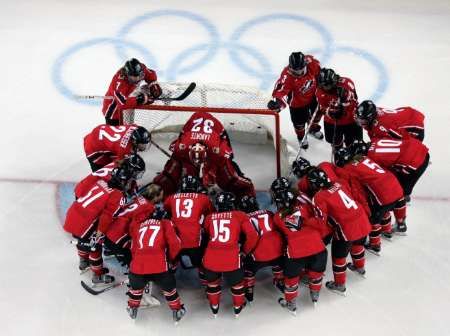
{"x": 221, "y": 230}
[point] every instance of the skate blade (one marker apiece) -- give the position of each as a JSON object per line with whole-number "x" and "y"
{"x": 401, "y": 234}
{"x": 338, "y": 292}
{"x": 378, "y": 254}
{"x": 85, "y": 270}
{"x": 389, "y": 239}
{"x": 314, "y": 304}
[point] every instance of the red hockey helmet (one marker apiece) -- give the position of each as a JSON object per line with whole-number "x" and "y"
{"x": 197, "y": 154}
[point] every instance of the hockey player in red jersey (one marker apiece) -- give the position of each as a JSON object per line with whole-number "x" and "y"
{"x": 203, "y": 149}
{"x": 204, "y": 128}
{"x": 118, "y": 97}
{"x": 154, "y": 244}
{"x": 89, "y": 217}
{"x": 385, "y": 123}
{"x": 268, "y": 251}
{"x": 224, "y": 229}
{"x": 407, "y": 158}
{"x": 337, "y": 100}
{"x": 117, "y": 239}
{"x": 385, "y": 192}
{"x": 305, "y": 249}
{"x": 105, "y": 143}
{"x": 188, "y": 209}
{"x": 349, "y": 222}
{"x": 133, "y": 162}
{"x": 296, "y": 88}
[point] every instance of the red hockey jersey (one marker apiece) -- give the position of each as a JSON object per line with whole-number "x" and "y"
{"x": 120, "y": 89}
{"x": 330, "y": 101}
{"x": 346, "y": 216}
{"x": 107, "y": 143}
{"x": 153, "y": 243}
{"x": 270, "y": 243}
{"x": 303, "y": 236}
{"x": 188, "y": 211}
{"x": 138, "y": 210}
{"x": 382, "y": 184}
{"x": 403, "y": 155}
{"x": 224, "y": 230}
{"x": 97, "y": 206}
{"x": 101, "y": 174}
{"x": 397, "y": 123}
{"x": 297, "y": 91}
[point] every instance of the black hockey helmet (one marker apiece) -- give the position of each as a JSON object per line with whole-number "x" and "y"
{"x": 318, "y": 179}
{"x": 134, "y": 70}
{"x": 300, "y": 167}
{"x": 366, "y": 113}
{"x": 120, "y": 177}
{"x": 280, "y": 183}
{"x": 342, "y": 156}
{"x": 225, "y": 201}
{"x": 297, "y": 63}
{"x": 248, "y": 204}
{"x": 328, "y": 79}
{"x": 284, "y": 199}
{"x": 359, "y": 147}
{"x": 141, "y": 138}
{"x": 136, "y": 164}
{"x": 190, "y": 183}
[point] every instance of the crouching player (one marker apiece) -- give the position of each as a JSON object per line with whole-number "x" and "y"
{"x": 223, "y": 254}
{"x": 154, "y": 244}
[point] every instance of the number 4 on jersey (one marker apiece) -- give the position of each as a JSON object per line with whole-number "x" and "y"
{"x": 348, "y": 202}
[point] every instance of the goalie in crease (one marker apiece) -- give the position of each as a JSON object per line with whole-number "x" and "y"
{"x": 203, "y": 149}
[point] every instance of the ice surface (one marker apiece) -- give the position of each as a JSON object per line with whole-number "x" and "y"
{"x": 397, "y": 52}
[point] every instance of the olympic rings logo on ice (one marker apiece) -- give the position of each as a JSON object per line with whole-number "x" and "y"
{"x": 234, "y": 46}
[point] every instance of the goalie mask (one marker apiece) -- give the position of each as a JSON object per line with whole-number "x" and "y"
{"x": 197, "y": 154}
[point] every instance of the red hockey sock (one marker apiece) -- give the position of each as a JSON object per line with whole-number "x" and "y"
{"x": 83, "y": 254}
{"x": 339, "y": 270}
{"x": 374, "y": 236}
{"x": 201, "y": 276}
{"x": 135, "y": 297}
{"x": 173, "y": 299}
{"x": 249, "y": 279}
{"x": 315, "y": 280}
{"x": 277, "y": 272}
{"x": 96, "y": 261}
{"x": 237, "y": 292}
{"x": 213, "y": 291}
{"x": 400, "y": 211}
{"x": 291, "y": 288}
{"x": 386, "y": 225}
{"x": 358, "y": 257}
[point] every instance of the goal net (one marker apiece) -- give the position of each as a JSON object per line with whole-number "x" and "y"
{"x": 254, "y": 131}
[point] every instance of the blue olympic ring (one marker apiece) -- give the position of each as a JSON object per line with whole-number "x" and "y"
{"x": 177, "y": 66}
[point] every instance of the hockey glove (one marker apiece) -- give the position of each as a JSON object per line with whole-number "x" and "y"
{"x": 274, "y": 105}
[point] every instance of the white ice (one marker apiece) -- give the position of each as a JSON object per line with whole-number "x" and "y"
{"x": 407, "y": 289}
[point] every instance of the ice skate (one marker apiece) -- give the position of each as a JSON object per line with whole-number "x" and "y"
{"x": 338, "y": 289}
{"x": 237, "y": 310}
{"x": 249, "y": 294}
{"x": 314, "y": 296}
{"x": 279, "y": 284}
{"x": 304, "y": 144}
{"x": 214, "y": 310}
{"x": 103, "y": 279}
{"x": 387, "y": 235}
{"x": 178, "y": 314}
{"x": 374, "y": 249}
{"x": 316, "y": 134}
{"x": 400, "y": 229}
{"x": 83, "y": 265}
{"x": 291, "y": 306}
{"x": 132, "y": 312}
{"x": 360, "y": 271}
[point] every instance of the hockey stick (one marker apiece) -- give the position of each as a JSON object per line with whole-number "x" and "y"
{"x": 333, "y": 145}
{"x": 92, "y": 291}
{"x": 182, "y": 96}
{"x": 166, "y": 153}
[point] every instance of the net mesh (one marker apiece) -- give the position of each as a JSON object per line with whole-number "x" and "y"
{"x": 241, "y": 109}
